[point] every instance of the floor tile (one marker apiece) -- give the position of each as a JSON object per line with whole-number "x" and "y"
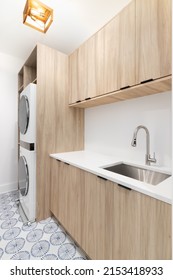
{"x": 45, "y": 240}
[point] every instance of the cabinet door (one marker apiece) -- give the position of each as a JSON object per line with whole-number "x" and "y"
{"x": 155, "y": 225}
{"x": 97, "y": 222}
{"x": 73, "y": 77}
{"x": 67, "y": 197}
{"x": 127, "y": 52}
{"x": 119, "y": 68}
{"x": 111, "y": 56}
{"x": 126, "y": 242}
{"x": 95, "y": 64}
{"x": 58, "y": 204}
{"x": 83, "y": 72}
{"x": 153, "y": 39}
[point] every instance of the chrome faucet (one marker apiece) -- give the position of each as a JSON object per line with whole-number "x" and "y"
{"x": 148, "y": 158}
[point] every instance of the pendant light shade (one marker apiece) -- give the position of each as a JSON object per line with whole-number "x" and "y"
{"x": 37, "y": 15}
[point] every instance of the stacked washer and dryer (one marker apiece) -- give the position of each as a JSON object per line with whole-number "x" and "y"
{"x": 27, "y": 159}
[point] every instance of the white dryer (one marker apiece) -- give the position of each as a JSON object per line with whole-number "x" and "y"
{"x": 27, "y": 183}
{"x": 27, "y": 114}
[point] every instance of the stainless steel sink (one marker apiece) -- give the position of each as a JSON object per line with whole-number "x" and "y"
{"x": 138, "y": 173}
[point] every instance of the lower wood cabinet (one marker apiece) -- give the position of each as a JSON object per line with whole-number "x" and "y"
{"x": 107, "y": 220}
{"x": 67, "y": 197}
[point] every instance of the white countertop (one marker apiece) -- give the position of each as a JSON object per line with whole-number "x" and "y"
{"x": 93, "y": 162}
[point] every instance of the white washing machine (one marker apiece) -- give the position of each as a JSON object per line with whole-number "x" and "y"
{"x": 27, "y": 114}
{"x": 27, "y": 183}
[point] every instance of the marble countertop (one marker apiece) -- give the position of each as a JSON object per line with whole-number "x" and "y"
{"x": 94, "y": 163}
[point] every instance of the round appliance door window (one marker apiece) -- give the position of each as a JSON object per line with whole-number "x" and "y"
{"x": 23, "y": 176}
{"x": 23, "y": 114}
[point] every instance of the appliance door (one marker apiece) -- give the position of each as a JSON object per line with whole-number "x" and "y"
{"x": 23, "y": 176}
{"x": 23, "y": 114}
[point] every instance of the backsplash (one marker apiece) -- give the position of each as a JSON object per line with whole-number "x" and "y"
{"x": 109, "y": 128}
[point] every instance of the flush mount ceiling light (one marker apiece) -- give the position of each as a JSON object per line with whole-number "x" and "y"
{"x": 37, "y": 15}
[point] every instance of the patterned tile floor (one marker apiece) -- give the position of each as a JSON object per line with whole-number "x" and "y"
{"x": 45, "y": 240}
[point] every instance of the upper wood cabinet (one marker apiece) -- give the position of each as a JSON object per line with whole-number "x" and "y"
{"x": 95, "y": 64}
{"x": 119, "y": 55}
{"x": 73, "y": 77}
{"x": 153, "y": 39}
{"x": 134, "y": 47}
{"x": 86, "y": 66}
{"x": 82, "y": 77}
{"x": 105, "y": 62}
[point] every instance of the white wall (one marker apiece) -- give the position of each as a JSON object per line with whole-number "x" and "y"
{"x": 109, "y": 128}
{"x": 9, "y": 67}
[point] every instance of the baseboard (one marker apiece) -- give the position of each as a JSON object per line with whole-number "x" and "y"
{"x": 8, "y": 187}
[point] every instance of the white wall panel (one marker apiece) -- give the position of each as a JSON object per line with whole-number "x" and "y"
{"x": 109, "y": 128}
{"x": 9, "y": 67}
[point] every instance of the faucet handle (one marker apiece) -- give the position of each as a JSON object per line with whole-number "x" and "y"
{"x": 152, "y": 159}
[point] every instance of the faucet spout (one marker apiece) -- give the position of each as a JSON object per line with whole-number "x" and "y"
{"x": 148, "y": 158}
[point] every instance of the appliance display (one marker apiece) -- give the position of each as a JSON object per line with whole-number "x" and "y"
{"x": 27, "y": 114}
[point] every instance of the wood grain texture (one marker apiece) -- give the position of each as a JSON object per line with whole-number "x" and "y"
{"x": 128, "y": 223}
{"x": 153, "y": 87}
{"x": 59, "y": 128}
{"x": 86, "y": 66}
{"x": 73, "y": 77}
{"x": 153, "y": 39}
{"x": 94, "y": 217}
{"x": 67, "y": 194}
{"x": 108, "y": 221}
{"x": 111, "y": 55}
{"x": 127, "y": 47}
{"x": 133, "y": 47}
{"x": 96, "y": 64}
{"x": 29, "y": 75}
{"x": 155, "y": 224}
{"x": 82, "y": 71}
{"x": 99, "y": 63}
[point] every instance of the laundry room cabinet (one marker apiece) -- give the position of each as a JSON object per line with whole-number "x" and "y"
{"x": 58, "y": 127}
{"x": 129, "y": 57}
{"x": 107, "y": 220}
{"x": 153, "y": 39}
{"x": 67, "y": 197}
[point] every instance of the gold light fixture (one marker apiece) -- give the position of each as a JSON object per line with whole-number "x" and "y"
{"x": 37, "y": 15}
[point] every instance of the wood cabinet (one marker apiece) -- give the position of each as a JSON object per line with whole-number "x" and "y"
{"x": 82, "y": 76}
{"x": 97, "y": 229}
{"x": 153, "y": 39}
{"x": 67, "y": 193}
{"x": 105, "y": 62}
{"x": 119, "y": 40}
{"x": 124, "y": 224}
{"x": 133, "y": 48}
{"x": 95, "y": 64}
{"x": 58, "y": 127}
{"x": 86, "y": 66}
{"x": 155, "y": 224}
{"x": 73, "y": 77}
{"x": 107, "y": 220}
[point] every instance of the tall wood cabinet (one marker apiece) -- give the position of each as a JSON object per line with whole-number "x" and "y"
{"x": 58, "y": 127}
{"x": 107, "y": 220}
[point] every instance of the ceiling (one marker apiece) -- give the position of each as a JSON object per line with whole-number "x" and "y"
{"x": 74, "y": 22}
